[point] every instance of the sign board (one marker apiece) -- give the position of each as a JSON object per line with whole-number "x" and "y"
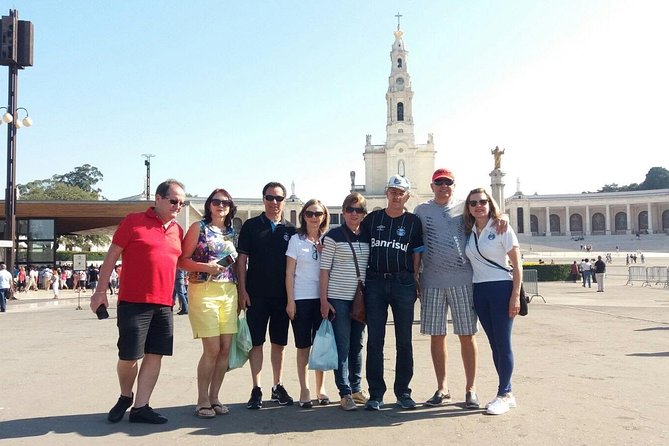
{"x": 79, "y": 261}
{"x": 5, "y": 243}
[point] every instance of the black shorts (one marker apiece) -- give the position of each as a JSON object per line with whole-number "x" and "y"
{"x": 262, "y": 311}
{"x": 307, "y": 320}
{"x": 142, "y": 329}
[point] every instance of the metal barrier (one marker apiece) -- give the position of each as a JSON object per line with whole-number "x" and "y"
{"x": 531, "y": 284}
{"x": 658, "y": 275}
{"x": 636, "y": 274}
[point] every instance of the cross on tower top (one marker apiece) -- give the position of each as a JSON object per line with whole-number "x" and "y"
{"x": 398, "y": 15}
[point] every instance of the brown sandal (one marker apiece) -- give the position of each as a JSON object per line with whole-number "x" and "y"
{"x": 205, "y": 412}
{"x": 220, "y": 409}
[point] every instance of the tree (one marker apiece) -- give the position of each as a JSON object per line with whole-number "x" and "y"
{"x": 656, "y": 178}
{"x": 76, "y": 185}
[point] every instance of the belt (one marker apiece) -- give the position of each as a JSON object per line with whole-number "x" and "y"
{"x": 385, "y": 275}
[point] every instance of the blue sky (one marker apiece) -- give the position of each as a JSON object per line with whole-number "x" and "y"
{"x": 235, "y": 94}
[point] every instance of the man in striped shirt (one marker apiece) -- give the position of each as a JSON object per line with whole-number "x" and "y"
{"x": 396, "y": 241}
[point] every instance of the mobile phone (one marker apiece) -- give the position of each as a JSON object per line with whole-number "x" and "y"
{"x": 226, "y": 261}
{"x": 102, "y": 312}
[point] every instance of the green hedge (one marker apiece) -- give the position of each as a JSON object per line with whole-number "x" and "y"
{"x": 67, "y": 256}
{"x": 550, "y": 273}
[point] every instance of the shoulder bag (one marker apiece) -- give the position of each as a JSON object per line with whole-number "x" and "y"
{"x": 358, "y": 308}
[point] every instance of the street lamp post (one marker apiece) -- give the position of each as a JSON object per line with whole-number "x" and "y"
{"x": 16, "y": 52}
{"x": 147, "y": 163}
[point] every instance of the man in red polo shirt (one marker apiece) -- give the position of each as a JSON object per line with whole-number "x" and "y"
{"x": 150, "y": 243}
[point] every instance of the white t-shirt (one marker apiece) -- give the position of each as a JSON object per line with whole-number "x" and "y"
{"x": 5, "y": 279}
{"x": 307, "y": 268}
{"x": 494, "y": 247}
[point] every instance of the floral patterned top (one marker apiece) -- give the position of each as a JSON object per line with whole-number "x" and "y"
{"x": 215, "y": 245}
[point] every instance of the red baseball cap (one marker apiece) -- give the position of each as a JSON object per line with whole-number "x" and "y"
{"x": 443, "y": 173}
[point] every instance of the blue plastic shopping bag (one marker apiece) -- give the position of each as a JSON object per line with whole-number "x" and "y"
{"x": 323, "y": 355}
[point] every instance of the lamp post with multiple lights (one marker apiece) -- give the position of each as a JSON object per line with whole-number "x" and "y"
{"x": 16, "y": 52}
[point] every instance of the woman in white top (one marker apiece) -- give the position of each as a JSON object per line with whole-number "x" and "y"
{"x": 302, "y": 287}
{"x": 496, "y": 286}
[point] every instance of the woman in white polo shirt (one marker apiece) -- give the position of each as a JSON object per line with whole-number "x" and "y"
{"x": 496, "y": 287}
{"x": 302, "y": 287}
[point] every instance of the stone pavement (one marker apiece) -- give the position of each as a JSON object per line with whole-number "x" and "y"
{"x": 590, "y": 369}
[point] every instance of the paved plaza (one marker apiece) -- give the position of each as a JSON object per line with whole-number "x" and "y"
{"x": 591, "y": 368}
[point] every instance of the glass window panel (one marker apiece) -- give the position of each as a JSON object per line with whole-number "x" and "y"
{"x": 41, "y": 229}
{"x": 41, "y": 252}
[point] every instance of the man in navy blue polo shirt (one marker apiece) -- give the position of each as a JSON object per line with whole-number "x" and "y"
{"x": 396, "y": 243}
{"x": 263, "y": 241}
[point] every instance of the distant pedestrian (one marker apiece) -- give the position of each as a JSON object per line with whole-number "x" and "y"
{"x": 600, "y": 270}
{"x": 587, "y": 272}
{"x": 574, "y": 272}
{"x": 6, "y": 280}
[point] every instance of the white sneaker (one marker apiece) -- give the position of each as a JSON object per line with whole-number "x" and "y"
{"x": 509, "y": 399}
{"x": 498, "y": 406}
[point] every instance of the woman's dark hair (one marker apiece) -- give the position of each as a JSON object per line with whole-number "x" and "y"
{"x": 493, "y": 209}
{"x": 231, "y": 213}
{"x": 302, "y": 230}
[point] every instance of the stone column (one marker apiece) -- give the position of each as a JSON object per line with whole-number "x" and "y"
{"x": 497, "y": 188}
{"x": 608, "y": 219}
{"x": 629, "y": 219}
{"x": 548, "y": 221}
{"x": 567, "y": 223}
{"x": 650, "y": 218}
{"x": 588, "y": 230}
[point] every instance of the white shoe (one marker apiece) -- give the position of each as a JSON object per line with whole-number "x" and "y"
{"x": 509, "y": 399}
{"x": 498, "y": 406}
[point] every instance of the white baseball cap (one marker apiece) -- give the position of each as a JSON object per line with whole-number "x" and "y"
{"x": 399, "y": 182}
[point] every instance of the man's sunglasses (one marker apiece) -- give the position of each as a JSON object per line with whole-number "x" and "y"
{"x": 277, "y": 198}
{"x": 174, "y": 202}
{"x": 312, "y": 214}
{"x": 216, "y": 202}
{"x": 443, "y": 182}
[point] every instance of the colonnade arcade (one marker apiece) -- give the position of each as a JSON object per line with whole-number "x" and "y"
{"x": 639, "y": 212}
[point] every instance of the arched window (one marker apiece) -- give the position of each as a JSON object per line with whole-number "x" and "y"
{"x": 555, "y": 224}
{"x": 598, "y": 222}
{"x": 576, "y": 223}
{"x": 400, "y": 130}
{"x": 534, "y": 224}
{"x": 399, "y": 63}
{"x": 621, "y": 221}
{"x": 400, "y": 111}
{"x": 665, "y": 221}
{"x": 643, "y": 221}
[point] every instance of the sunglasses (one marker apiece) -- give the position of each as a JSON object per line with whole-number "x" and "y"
{"x": 314, "y": 252}
{"x": 443, "y": 182}
{"x": 312, "y": 214}
{"x": 277, "y": 198}
{"x": 473, "y": 203}
{"x": 217, "y": 202}
{"x": 351, "y": 210}
{"x": 174, "y": 202}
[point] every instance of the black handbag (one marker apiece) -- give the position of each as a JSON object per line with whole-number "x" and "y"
{"x": 524, "y": 301}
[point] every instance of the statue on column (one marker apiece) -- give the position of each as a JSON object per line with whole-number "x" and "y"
{"x": 498, "y": 156}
